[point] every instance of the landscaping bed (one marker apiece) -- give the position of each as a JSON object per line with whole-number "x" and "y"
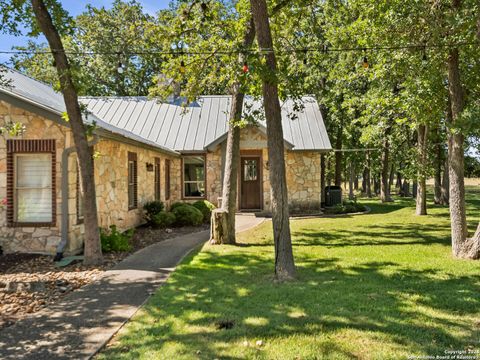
{"x": 30, "y": 282}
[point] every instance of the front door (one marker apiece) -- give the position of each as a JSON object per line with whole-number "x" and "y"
{"x": 250, "y": 183}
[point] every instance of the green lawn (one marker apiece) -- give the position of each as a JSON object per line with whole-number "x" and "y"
{"x": 377, "y": 286}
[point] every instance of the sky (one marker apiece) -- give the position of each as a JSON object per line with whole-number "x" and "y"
{"x": 74, "y": 7}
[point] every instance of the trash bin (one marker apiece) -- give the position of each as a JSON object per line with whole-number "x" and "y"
{"x": 333, "y": 195}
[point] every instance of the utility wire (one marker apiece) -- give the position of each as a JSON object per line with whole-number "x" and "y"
{"x": 321, "y": 49}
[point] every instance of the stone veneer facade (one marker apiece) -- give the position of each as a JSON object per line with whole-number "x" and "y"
{"x": 111, "y": 166}
{"x": 111, "y": 175}
{"x": 302, "y": 167}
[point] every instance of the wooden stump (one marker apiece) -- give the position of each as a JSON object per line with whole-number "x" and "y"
{"x": 218, "y": 228}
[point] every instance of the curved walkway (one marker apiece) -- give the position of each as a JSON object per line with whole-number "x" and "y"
{"x": 83, "y": 321}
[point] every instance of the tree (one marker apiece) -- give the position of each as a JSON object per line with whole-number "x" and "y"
{"x": 284, "y": 263}
{"x": 105, "y": 39}
{"x": 52, "y": 22}
{"x": 421, "y": 203}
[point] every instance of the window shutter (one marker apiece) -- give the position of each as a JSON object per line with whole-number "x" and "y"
{"x": 133, "y": 181}
{"x": 167, "y": 179}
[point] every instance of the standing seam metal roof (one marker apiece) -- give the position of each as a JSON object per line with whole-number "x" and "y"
{"x": 194, "y": 126}
{"x": 171, "y": 126}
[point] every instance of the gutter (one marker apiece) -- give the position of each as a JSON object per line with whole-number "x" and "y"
{"x": 65, "y": 192}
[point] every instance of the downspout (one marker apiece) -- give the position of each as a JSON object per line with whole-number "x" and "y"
{"x": 65, "y": 192}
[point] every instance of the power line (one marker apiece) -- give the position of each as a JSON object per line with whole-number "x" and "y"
{"x": 320, "y": 49}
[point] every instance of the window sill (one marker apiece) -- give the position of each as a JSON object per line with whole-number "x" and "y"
{"x": 194, "y": 197}
{"x": 32, "y": 224}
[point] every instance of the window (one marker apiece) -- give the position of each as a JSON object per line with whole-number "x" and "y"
{"x": 250, "y": 170}
{"x": 194, "y": 176}
{"x": 79, "y": 198}
{"x": 33, "y": 188}
{"x": 167, "y": 179}
{"x": 132, "y": 181}
{"x": 157, "y": 179}
{"x": 31, "y": 182}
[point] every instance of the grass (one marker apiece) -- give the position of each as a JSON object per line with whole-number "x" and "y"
{"x": 376, "y": 286}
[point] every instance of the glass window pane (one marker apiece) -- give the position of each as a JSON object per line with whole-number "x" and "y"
{"x": 34, "y": 205}
{"x": 195, "y": 189}
{"x": 250, "y": 170}
{"x": 194, "y": 176}
{"x": 34, "y": 171}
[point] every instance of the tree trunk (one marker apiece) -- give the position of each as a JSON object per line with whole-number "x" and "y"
{"x": 366, "y": 174}
{"x": 384, "y": 186}
{"x": 284, "y": 263}
{"x": 338, "y": 157}
{"x": 219, "y": 227}
{"x": 322, "y": 178}
{"x": 438, "y": 164}
{"x": 232, "y": 158}
{"x": 456, "y": 158}
{"x": 392, "y": 177}
{"x": 398, "y": 184}
{"x": 444, "y": 199}
{"x": 437, "y": 180}
{"x": 351, "y": 195}
{"x": 92, "y": 248}
{"x": 421, "y": 203}
{"x": 406, "y": 188}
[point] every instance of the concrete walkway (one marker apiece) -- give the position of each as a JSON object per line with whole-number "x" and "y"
{"x": 83, "y": 321}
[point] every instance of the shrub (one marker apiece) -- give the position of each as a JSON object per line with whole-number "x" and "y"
{"x": 206, "y": 207}
{"x": 347, "y": 207}
{"x": 187, "y": 215}
{"x": 152, "y": 208}
{"x": 163, "y": 219}
{"x": 177, "y": 204}
{"x": 114, "y": 240}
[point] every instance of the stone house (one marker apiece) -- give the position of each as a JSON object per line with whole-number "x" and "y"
{"x": 144, "y": 150}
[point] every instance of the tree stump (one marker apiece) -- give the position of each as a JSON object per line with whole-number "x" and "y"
{"x": 219, "y": 226}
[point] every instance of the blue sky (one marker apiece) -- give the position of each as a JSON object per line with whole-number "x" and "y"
{"x": 74, "y": 7}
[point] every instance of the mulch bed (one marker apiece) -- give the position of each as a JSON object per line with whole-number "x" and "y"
{"x": 30, "y": 282}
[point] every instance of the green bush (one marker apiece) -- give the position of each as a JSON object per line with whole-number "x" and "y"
{"x": 187, "y": 215}
{"x": 176, "y": 204}
{"x": 114, "y": 240}
{"x": 206, "y": 207}
{"x": 347, "y": 207}
{"x": 163, "y": 219}
{"x": 152, "y": 208}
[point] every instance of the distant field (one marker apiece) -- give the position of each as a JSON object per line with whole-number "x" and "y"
{"x": 468, "y": 182}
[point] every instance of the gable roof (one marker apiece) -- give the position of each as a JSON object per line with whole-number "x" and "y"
{"x": 36, "y": 93}
{"x": 170, "y": 126}
{"x": 199, "y": 125}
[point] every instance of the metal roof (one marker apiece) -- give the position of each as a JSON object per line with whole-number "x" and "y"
{"x": 39, "y": 94}
{"x": 172, "y": 126}
{"x": 196, "y": 126}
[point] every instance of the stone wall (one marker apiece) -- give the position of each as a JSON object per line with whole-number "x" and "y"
{"x": 303, "y": 181}
{"x": 302, "y": 171}
{"x": 31, "y": 239}
{"x": 111, "y": 177}
{"x": 111, "y": 170}
{"x": 214, "y": 175}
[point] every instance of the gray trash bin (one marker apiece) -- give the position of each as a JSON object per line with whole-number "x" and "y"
{"x": 333, "y": 195}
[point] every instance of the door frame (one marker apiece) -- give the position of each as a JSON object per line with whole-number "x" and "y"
{"x": 245, "y": 154}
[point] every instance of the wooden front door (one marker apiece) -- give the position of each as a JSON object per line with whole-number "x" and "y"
{"x": 250, "y": 183}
